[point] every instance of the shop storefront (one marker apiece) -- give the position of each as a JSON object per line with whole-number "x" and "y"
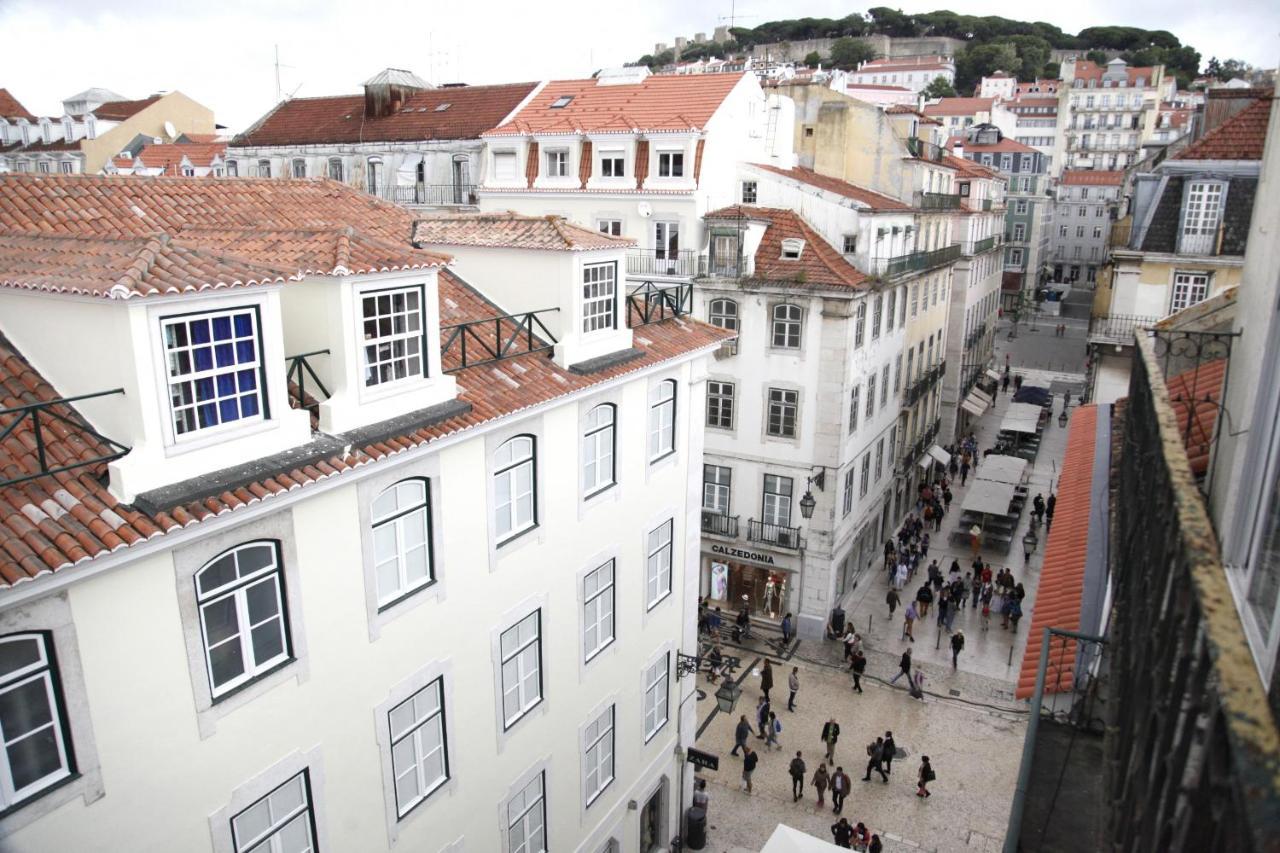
{"x": 763, "y": 581}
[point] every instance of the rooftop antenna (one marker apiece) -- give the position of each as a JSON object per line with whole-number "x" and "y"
{"x": 278, "y": 66}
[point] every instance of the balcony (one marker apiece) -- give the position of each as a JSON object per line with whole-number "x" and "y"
{"x": 937, "y": 201}
{"x": 673, "y": 263}
{"x": 915, "y": 262}
{"x": 925, "y": 150}
{"x": 977, "y": 247}
{"x": 1118, "y": 329}
{"x": 652, "y": 304}
{"x": 777, "y": 535}
{"x": 428, "y": 195}
{"x": 917, "y": 449}
{"x": 718, "y": 524}
{"x": 722, "y": 267}
{"x": 918, "y": 389}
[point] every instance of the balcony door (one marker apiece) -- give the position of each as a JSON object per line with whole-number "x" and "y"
{"x": 1201, "y": 213}
{"x": 776, "y": 505}
{"x": 724, "y": 255}
{"x": 666, "y": 246}
{"x": 461, "y": 179}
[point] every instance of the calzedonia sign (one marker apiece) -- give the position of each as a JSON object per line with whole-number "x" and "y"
{"x": 743, "y": 555}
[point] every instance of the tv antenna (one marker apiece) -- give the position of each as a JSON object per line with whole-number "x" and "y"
{"x": 733, "y": 14}
{"x": 279, "y": 93}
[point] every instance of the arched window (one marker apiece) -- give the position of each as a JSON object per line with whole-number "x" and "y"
{"x": 662, "y": 419}
{"x": 240, "y": 595}
{"x": 402, "y": 557}
{"x": 787, "y": 326}
{"x": 598, "y": 468}
{"x": 515, "y": 488}
{"x": 264, "y": 168}
{"x": 724, "y": 313}
{"x": 36, "y": 754}
{"x": 335, "y": 168}
{"x": 299, "y": 168}
{"x": 373, "y": 175}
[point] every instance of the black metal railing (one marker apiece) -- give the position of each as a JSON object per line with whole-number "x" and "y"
{"x": 937, "y": 201}
{"x": 912, "y": 454}
{"x": 1192, "y": 743}
{"x": 679, "y": 263}
{"x": 721, "y": 267}
{"x": 719, "y": 524}
{"x": 72, "y": 443}
{"x": 970, "y": 375}
{"x": 924, "y": 382}
{"x": 986, "y": 244}
{"x": 1118, "y": 328}
{"x": 925, "y": 150}
{"x": 649, "y": 303}
{"x": 494, "y": 338}
{"x": 778, "y": 535}
{"x": 914, "y": 262}
{"x": 975, "y": 337}
{"x": 299, "y": 368}
{"x": 429, "y": 195}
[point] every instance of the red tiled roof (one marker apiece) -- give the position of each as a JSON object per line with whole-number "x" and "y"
{"x": 1088, "y": 177}
{"x": 818, "y": 264}
{"x": 121, "y": 110}
{"x": 508, "y": 229}
{"x": 10, "y": 107}
{"x": 1006, "y": 144}
{"x": 1033, "y": 101}
{"x": 920, "y": 63}
{"x": 675, "y": 102}
{"x": 877, "y": 87}
{"x": 169, "y": 157}
{"x": 1086, "y": 70}
{"x": 1058, "y": 596}
{"x": 873, "y": 200}
{"x": 1241, "y": 137}
{"x": 1195, "y": 395}
{"x": 305, "y": 121}
{"x": 969, "y": 169}
{"x": 959, "y": 106}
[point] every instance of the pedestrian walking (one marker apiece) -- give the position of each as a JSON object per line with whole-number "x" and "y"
{"x": 944, "y": 604}
{"x": 749, "y": 762}
{"x": 890, "y": 752}
{"x": 860, "y": 836}
{"x": 830, "y": 735}
{"x": 875, "y": 760}
{"x": 775, "y": 729}
{"x": 762, "y": 716}
{"x": 957, "y": 645}
{"x": 1004, "y": 382}
{"x": 793, "y": 684}
{"x": 986, "y": 611}
{"x": 926, "y": 776}
{"x": 766, "y": 679}
{"x": 916, "y": 685}
{"x": 701, "y": 799}
{"x": 843, "y": 834}
{"x": 904, "y": 667}
{"x": 1037, "y": 506}
{"x": 1017, "y": 383}
{"x": 859, "y": 666}
{"x": 797, "y": 770}
{"x": 892, "y": 599}
{"x": 1048, "y": 512}
{"x": 848, "y": 643}
{"x": 908, "y": 620}
{"x": 840, "y": 782}
{"x": 786, "y": 630}
{"x": 820, "y": 781}
{"x": 923, "y": 598}
{"x": 740, "y": 734}
{"x": 876, "y": 845}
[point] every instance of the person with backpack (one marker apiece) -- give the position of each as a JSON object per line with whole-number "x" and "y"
{"x": 839, "y": 789}
{"x": 775, "y": 729}
{"x": 858, "y": 667}
{"x": 762, "y": 717}
{"x": 926, "y": 776}
{"x": 875, "y": 759}
{"x": 797, "y": 770}
{"x": 924, "y": 597}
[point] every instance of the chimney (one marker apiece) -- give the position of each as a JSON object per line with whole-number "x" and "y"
{"x": 1221, "y": 104}
{"x": 386, "y": 92}
{"x": 958, "y": 148}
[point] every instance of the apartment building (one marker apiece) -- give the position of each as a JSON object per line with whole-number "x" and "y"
{"x": 402, "y": 139}
{"x": 317, "y": 473}
{"x": 1105, "y": 114}
{"x": 178, "y": 159}
{"x": 1086, "y": 204}
{"x": 914, "y": 73}
{"x": 957, "y": 114}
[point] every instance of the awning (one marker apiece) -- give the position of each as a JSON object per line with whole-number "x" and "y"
{"x": 925, "y": 462}
{"x": 941, "y": 455}
{"x": 1002, "y": 469}
{"x": 1024, "y": 410}
{"x": 992, "y": 374}
{"x": 988, "y": 497}
{"x": 1019, "y": 425}
{"x": 982, "y": 395}
{"x": 972, "y": 406}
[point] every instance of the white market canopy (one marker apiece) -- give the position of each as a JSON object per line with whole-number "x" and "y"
{"x": 1002, "y": 469}
{"x": 788, "y": 840}
{"x": 1012, "y": 424}
{"x": 1024, "y": 410}
{"x": 989, "y": 497}
{"x": 943, "y": 457}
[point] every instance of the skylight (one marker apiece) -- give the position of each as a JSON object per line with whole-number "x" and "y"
{"x": 442, "y": 107}
{"x": 561, "y": 102}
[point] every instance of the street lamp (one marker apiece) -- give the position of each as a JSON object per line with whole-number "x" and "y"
{"x": 807, "y": 503}
{"x": 727, "y": 697}
{"x": 1062, "y": 418}
{"x": 1029, "y": 542}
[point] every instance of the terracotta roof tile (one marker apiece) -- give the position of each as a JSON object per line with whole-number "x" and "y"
{"x": 959, "y": 106}
{"x": 10, "y": 107}
{"x": 170, "y": 157}
{"x": 1195, "y": 395}
{"x": 1241, "y": 137}
{"x": 873, "y": 200}
{"x": 675, "y": 102}
{"x": 1091, "y": 177}
{"x": 470, "y": 112}
{"x": 508, "y": 229}
{"x": 819, "y": 263}
{"x": 1059, "y": 594}
{"x": 121, "y": 110}
{"x": 968, "y": 168}
{"x": 1006, "y": 144}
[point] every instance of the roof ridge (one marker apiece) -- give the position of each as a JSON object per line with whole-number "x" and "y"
{"x": 143, "y": 261}
{"x": 1202, "y": 142}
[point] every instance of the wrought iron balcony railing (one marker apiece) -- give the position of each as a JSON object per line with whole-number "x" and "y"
{"x": 649, "y": 303}
{"x": 917, "y": 449}
{"x": 493, "y": 339}
{"x": 937, "y": 201}
{"x": 1118, "y": 328}
{"x": 719, "y": 524}
{"x": 925, "y": 150}
{"x": 915, "y": 262}
{"x": 918, "y": 389}
{"x": 677, "y": 263}
{"x": 977, "y": 247}
{"x": 778, "y": 535}
{"x": 65, "y": 424}
{"x": 721, "y": 267}
{"x": 429, "y": 195}
{"x": 299, "y": 368}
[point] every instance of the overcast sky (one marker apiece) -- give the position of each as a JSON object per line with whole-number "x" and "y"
{"x": 222, "y": 52}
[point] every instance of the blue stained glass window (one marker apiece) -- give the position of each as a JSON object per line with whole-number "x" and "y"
{"x": 244, "y": 325}
{"x": 224, "y": 352}
{"x": 213, "y": 361}
{"x": 204, "y": 358}
{"x": 221, "y": 328}
{"x": 200, "y": 331}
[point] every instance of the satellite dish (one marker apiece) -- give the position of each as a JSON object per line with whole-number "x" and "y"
{"x": 645, "y": 209}
{"x": 170, "y": 131}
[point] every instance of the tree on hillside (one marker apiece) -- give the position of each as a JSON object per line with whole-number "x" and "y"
{"x": 1227, "y": 70}
{"x": 812, "y": 59}
{"x": 938, "y": 88}
{"x": 979, "y": 60}
{"x": 892, "y": 22}
{"x": 849, "y": 53}
{"x": 1033, "y": 55}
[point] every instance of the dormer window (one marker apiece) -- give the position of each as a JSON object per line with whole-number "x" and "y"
{"x": 557, "y": 163}
{"x": 233, "y": 169}
{"x": 264, "y": 168}
{"x": 791, "y": 248}
{"x": 335, "y": 168}
{"x": 504, "y": 165}
{"x": 599, "y": 297}
{"x": 670, "y": 164}
{"x": 561, "y": 102}
{"x": 393, "y": 335}
{"x": 613, "y": 164}
{"x": 214, "y": 369}
{"x": 299, "y": 168}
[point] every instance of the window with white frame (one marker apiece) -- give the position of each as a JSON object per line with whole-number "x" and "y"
{"x": 1015, "y": 257}
{"x": 656, "y": 689}
{"x": 850, "y": 244}
{"x": 597, "y": 610}
{"x": 281, "y": 822}
{"x": 724, "y": 313}
{"x": 402, "y": 539}
{"x": 521, "y": 648}
{"x": 749, "y": 193}
{"x": 1020, "y": 206}
{"x": 613, "y": 164}
{"x": 720, "y": 404}
{"x": 876, "y": 312}
{"x": 419, "y": 746}
{"x": 214, "y": 368}
{"x": 373, "y": 175}
{"x": 557, "y": 162}
{"x": 879, "y": 459}
{"x": 1188, "y": 289}
{"x": 787, "y": 324}
{"x": 1200, "y": 216}
{"x": 662, "y": 419}
{"x": 891, "y": 310}
{"x": 527, "y": 818}
{"x": 264, "y": 168}
{"x": 394, "y": 334}
{"x": 783, "y": 407}
{"x": 299, "y": 168}
{"x": 515, "y": 487}
{"x": 243, "y": 615}
{"x": 897, "y": 373}
{"x": 33, "y": 725}
{"x": 597, "y": 755}
{"x": 233, "y": 168}
{"x": 871, "y": 395}
{"x": 657, "y": 572}
{"x": 776, "y": 500}
{"x": 853, "y": 408}
{"x": 884, "y": 386}
{"x": 860, "y": 324}
{"x": 599, "y": 297}
{"x": 716, "y": 488}
{"x": 598, "y": 442}
{"x": 335, "y": 168}
{"x": 504, "y": 165}
{"x": 847, "y": 503}
{"x": 612, "y": 227}
{"x": 866, "y": 475}
{"x": 670, "y": 164}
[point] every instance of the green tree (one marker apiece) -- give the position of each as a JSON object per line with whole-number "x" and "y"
{"x": 848, "y": 52}
{"x": 1232, "y": 68}
{"x": 1052, "y": 70}
{"x": 812, "y": 59}
{"x": 892, "y": 22}
{"x": 979, "y": 60}
{"x": 1097, "y": 57}
{"x": 939, "y": 88}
